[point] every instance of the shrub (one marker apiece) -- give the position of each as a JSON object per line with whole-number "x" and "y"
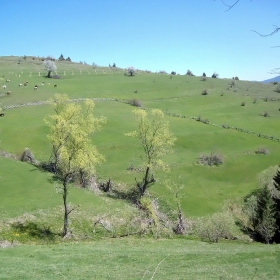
{"x": 204, "y": 75}
{"x": 199, "y": 119}
{"x": 215, "y": 75}
{"x": 262, "y": 151}
{"x": 135, "y": 102}
{"x": 204, "y": 92}
{"x": 243, "y": 104}
{"x": 189, "y": 73}
{"x": 204, "y": 79}
{"x": 215, "y": 227}
{"x": 226, "y": 126}
{"x": 277, "y": 89}
{"x": 211, "y": 160}
{"x": 266, "y": 114}
{"x": 173, "y": 73}
{"x": 27, "y": 156}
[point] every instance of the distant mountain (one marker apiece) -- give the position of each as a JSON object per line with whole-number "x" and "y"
{"x": 275, "y": 79}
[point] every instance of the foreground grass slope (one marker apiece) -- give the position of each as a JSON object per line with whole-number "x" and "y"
{"x": 141, "y": 259}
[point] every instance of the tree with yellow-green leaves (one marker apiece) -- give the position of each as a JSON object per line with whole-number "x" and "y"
{"x": 156, "y": 140}
{"x": 72, "y": 151}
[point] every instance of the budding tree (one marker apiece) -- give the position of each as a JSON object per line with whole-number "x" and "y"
{"x": 70, "y": 129}
{"x": 156, "y": 140}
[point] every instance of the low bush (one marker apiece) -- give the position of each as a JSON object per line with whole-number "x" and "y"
{"x": 189, "y": 73}
{"x": 135, "y": 102}
{"x": 277, "y": 89}
{"x": 211, "y": 160}
{"x": 204, "y": 92}
{"x": 215, "y": 227}
{"x": 262, "y": 151}
{"x": 215, "y": 75}
{"x": 266, "y": 114}
{"x": 27, "y": 156}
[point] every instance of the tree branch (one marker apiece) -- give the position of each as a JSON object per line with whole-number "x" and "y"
{"x": 276, "y": 29}
{"x": 230, "y": 6}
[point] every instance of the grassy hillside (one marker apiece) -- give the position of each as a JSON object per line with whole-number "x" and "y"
{"x": 30, "y": 208}
{"x": 206, "y": 188}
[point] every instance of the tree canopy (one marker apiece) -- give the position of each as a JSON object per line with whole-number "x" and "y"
{"x": 49, "y": 66}
{"x": 156, "y": 141}
{"x": 72, "y": 151}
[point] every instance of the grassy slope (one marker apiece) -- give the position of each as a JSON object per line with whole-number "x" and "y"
{"x": 25, "y": 189}
{"x": 206, "y": 188}
{"x": 141, "y": 259}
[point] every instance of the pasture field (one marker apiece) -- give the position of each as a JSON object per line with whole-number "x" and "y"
{"x": 29, "y": 194}
{"x": 141, "y": 259}
{"x": 205, "y": 188}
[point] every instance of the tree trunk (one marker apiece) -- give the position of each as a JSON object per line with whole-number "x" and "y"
{"x": 49, "y": 74}
{"x": 66, "y": 212}
{"x": 145, "y": 182}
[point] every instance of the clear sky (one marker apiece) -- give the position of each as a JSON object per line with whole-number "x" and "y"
{"x": 170, "y": 35}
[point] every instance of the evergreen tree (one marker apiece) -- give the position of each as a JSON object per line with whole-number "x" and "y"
{"x": 276, "y": 199}
{"x": 61, "y": 58}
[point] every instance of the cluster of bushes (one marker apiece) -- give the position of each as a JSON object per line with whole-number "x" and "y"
{"x": 262, "y": 151}
{"x": 199, "y": 119}
{"x": 213, "y": 159}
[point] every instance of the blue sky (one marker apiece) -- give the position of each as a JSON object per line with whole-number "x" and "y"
{"x": 177, "y": 35}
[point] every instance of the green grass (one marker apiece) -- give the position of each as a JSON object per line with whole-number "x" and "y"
{"x": 30, "y": 204}
{"x": 206, "y": 188}
{"x": 141, "y": 259}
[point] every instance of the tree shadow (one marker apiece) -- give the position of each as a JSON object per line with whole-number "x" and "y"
{"x": 131, "y": 195}
{"x": 34, "y": 230}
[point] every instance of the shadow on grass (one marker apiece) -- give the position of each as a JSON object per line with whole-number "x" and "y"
{"x": 130, "y": 195}
{"x": 35, "y": 231}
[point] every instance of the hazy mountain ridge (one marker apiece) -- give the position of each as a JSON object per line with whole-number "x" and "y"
{"x": 275, "y": 79}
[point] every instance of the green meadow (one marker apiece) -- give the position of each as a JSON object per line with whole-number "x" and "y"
{"x": 29, "y": 194}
